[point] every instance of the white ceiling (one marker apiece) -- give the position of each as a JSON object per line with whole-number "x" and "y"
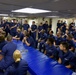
{"x": 65, "y": 8}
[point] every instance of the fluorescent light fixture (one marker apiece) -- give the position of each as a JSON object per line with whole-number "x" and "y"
{"x": 52, "y": 16}
{"x": 22, "y": 16}
{"x": 31, "y": 10}
{"x": 5, "y": 17}
{"x": 3, "y": 14}
{"x": 56, "y": 0}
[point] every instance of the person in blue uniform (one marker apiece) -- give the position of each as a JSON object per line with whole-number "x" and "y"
{"x": 42, "y": 40}
{"x": 66, "y": 57}
{"x": 25, "y": 26}
{"x": 18, "y": 24}
{"x": 13, "y": 28}
{"x": 58, "y": 25}
{"x": 7, "y": 28}
{"x": 2, "y": 41}
{"x": 3, "y": 24}
{"x": 50, "y": 26}
{"x": 64, "y": 28}
{"x": 51, "y": 35}
{"x": 66, "y": 33}
{"x": 50, "y": 49}
{"x": 7, "y": 53}
{"x": 62, "y": 23}
{"x": 28, "y": 40}
{"x": 45, "y": 26}
{"x": 33, "y": 30}
{"x": 19, "y": 35}
{"x": 70, "y": 42}
{"x": 40, "y": 28}
{"x": 74, "y": 34}
{"x": 19, "y": 67}
{"x": 72, "y": 30}
{"x": 59, "y": 39}
{"x": 71, "y": 25}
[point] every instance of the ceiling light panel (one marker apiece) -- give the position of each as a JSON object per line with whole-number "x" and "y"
{"x": 31, "y": 11}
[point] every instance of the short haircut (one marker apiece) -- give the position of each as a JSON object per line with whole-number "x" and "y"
{"x": 46, "y": 21}
{"x": 51, "y": 40}
{"x": 52, "y": 31}
{"x": 9, "y": 38}
{"x": 27, "y": 34}
{"x": 33, "y": 22}
{"x": 65, "y": 44}
{"x": 70, "y": 36}
{"x": 41, "y": 23}
{"x": 25, "y": 20}
{"x": 2, "y": 37}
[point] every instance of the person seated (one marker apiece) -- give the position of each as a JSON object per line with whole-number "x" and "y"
{"x": 19, "y": 67}
{"x": 59, "y": 39}
{"x": 19, "y": 35}
{"x": 70, "y": 42}
{"x": 2, "y": 41}
{"x": 42, "y": 40}
{"x": 65, "y": 35}
{"x": 66, "y": 57}
{"x": 6, "y": 54}
{"x": 28, "y": 40}
{"x": 50, "y": 49}
{"x": 51, "y": 35}
{"x": 72, "y": 30}
{"x": 24, "y": 32}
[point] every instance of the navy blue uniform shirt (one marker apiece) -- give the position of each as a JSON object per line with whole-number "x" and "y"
{"x": 19, "y": 68}
{"x": 7, "y": 52}
{"x": 20, "y": 35}
{"x": 59, "y": 40}
{"x": 31, "y": 41}
{"x": 51, "y": 50}
{"x": 15, "y": 28}
{"x": 52, "y": 36}
{"x": 33, "y": 27}
{"x": 26, "y": 26}
{"x": 45, "y": 27}
{"x": 2, "y": 44}
{"x": 40, "y": 28}
{"x": 71, "y": 43}
{"x": 43, "y": 36}
{"x": 58, "y": 25}
{"x": 67, "y": 58}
